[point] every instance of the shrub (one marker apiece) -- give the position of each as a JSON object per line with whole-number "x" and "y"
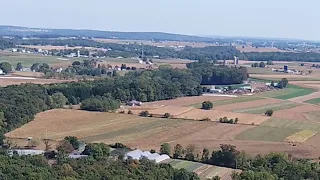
{"x": 130, "y": 112}
{"x": 205, "y": 119}
{"x": 269, "y": 112}
{"x": 167, "y": 115}
{"x": 152, "y": 151}
{"x": 122, "y": 112}
{"x": 207, "y": 105}
{"x": 144, "y": 114}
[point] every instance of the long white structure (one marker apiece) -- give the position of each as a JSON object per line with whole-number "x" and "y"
{"x": 138, "y": 154}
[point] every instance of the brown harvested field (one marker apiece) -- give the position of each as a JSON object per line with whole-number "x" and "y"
{"x": 150, "y": 133}
{"x": 7, "y": 82}
{"x": 173, "y": 110}
{"x": 28, "y": 74}
{"x": 296, "y": 113}
{"x": 249, "y": 104}
{"x": 187, "y": 101}
{"x": 214, "y": 115}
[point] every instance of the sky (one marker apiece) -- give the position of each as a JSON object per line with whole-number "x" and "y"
{"x": 298, "y": 19}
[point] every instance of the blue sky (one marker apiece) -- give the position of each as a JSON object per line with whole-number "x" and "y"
{"x": 253, "y": 18}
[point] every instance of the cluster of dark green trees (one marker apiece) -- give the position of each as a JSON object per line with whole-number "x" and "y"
{"x": 274, "y": 166}
{"x": 93, "y": 167}
{"x": 5, "y": 44}
{"x": 282, "y": 56}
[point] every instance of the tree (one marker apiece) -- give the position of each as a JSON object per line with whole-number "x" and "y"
{"x": 73, "y": 141}
{"x": 190, "y": 150}
{"x": 269, "y": 62}
{"x": 97, "y": 150}
{"x": 64, "y": 147}
{"x": 130, "y": 112}
{"x": 167, "y": 115}
{"x": 58, "y": 100}
{"x": 205, "y": 155}
{"x": 144, "y": 114}
{"x": 19, "y": 66}
{"x": 269, "y": 112}
{"x": 283, "y": 83}
{"x": 152, "y": 151}
{"x": 98, "y": 103}
{"x": 165, "y": 149}
{"x": 207, "y": 105}
{"x": 47, "y": 144}
{"x": 6, "y": 67}
{"x": 76, "y": 63}
{"x": 178, "y": 151}
{"x": 262, "y": 65}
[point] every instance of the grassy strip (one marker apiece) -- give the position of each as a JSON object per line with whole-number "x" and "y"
{"x": 231, "y": 101}
{"x": 263, "y": 109}
{"x": 291, "y": 91}
{"x": 285, "y": 123}
{"x": 300, "y": 136}
{"x": 313, "y": 101}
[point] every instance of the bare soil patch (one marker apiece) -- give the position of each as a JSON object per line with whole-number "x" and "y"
{"x": 296, "y": 113}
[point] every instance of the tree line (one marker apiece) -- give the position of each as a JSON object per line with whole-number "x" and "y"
{"x": 273, "y": 166}
{"x": 282, "y": 56}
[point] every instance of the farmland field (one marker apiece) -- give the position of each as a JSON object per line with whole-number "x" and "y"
{"x": 313, "y": 101}
{"x": 291, "y": 92}
{"x": 230, "y": 101}
{"x": 150, "y": 133}
{"x": 277, "y": 130}
{"x": 203, "y": 170}
{"x": 263, "y": 109}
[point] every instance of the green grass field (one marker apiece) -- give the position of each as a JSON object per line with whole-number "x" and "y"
{"x": 313, "y": 101}
{"x": 276, "y": 130}
{"x": 263, "y": 109}
{"x": 28, "y": 59}
{"x": 291, "y": 91}
{"x": 231, "y": 101}
{"x": 210, "y": 171}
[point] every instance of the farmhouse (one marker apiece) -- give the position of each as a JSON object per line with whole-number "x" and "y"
{"x": 138, "y": 154}
{"x": 134, "y": 103}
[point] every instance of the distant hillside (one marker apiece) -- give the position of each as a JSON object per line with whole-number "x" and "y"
{"x": 42, "y": 32}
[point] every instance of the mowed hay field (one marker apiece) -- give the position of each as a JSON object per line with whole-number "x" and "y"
{"x": 6, "y": 81}
{"x": 204, "y": 171}
{"x": 277, "y": 130}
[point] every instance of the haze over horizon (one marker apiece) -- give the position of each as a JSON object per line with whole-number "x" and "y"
{"x": 248, "y": 18}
